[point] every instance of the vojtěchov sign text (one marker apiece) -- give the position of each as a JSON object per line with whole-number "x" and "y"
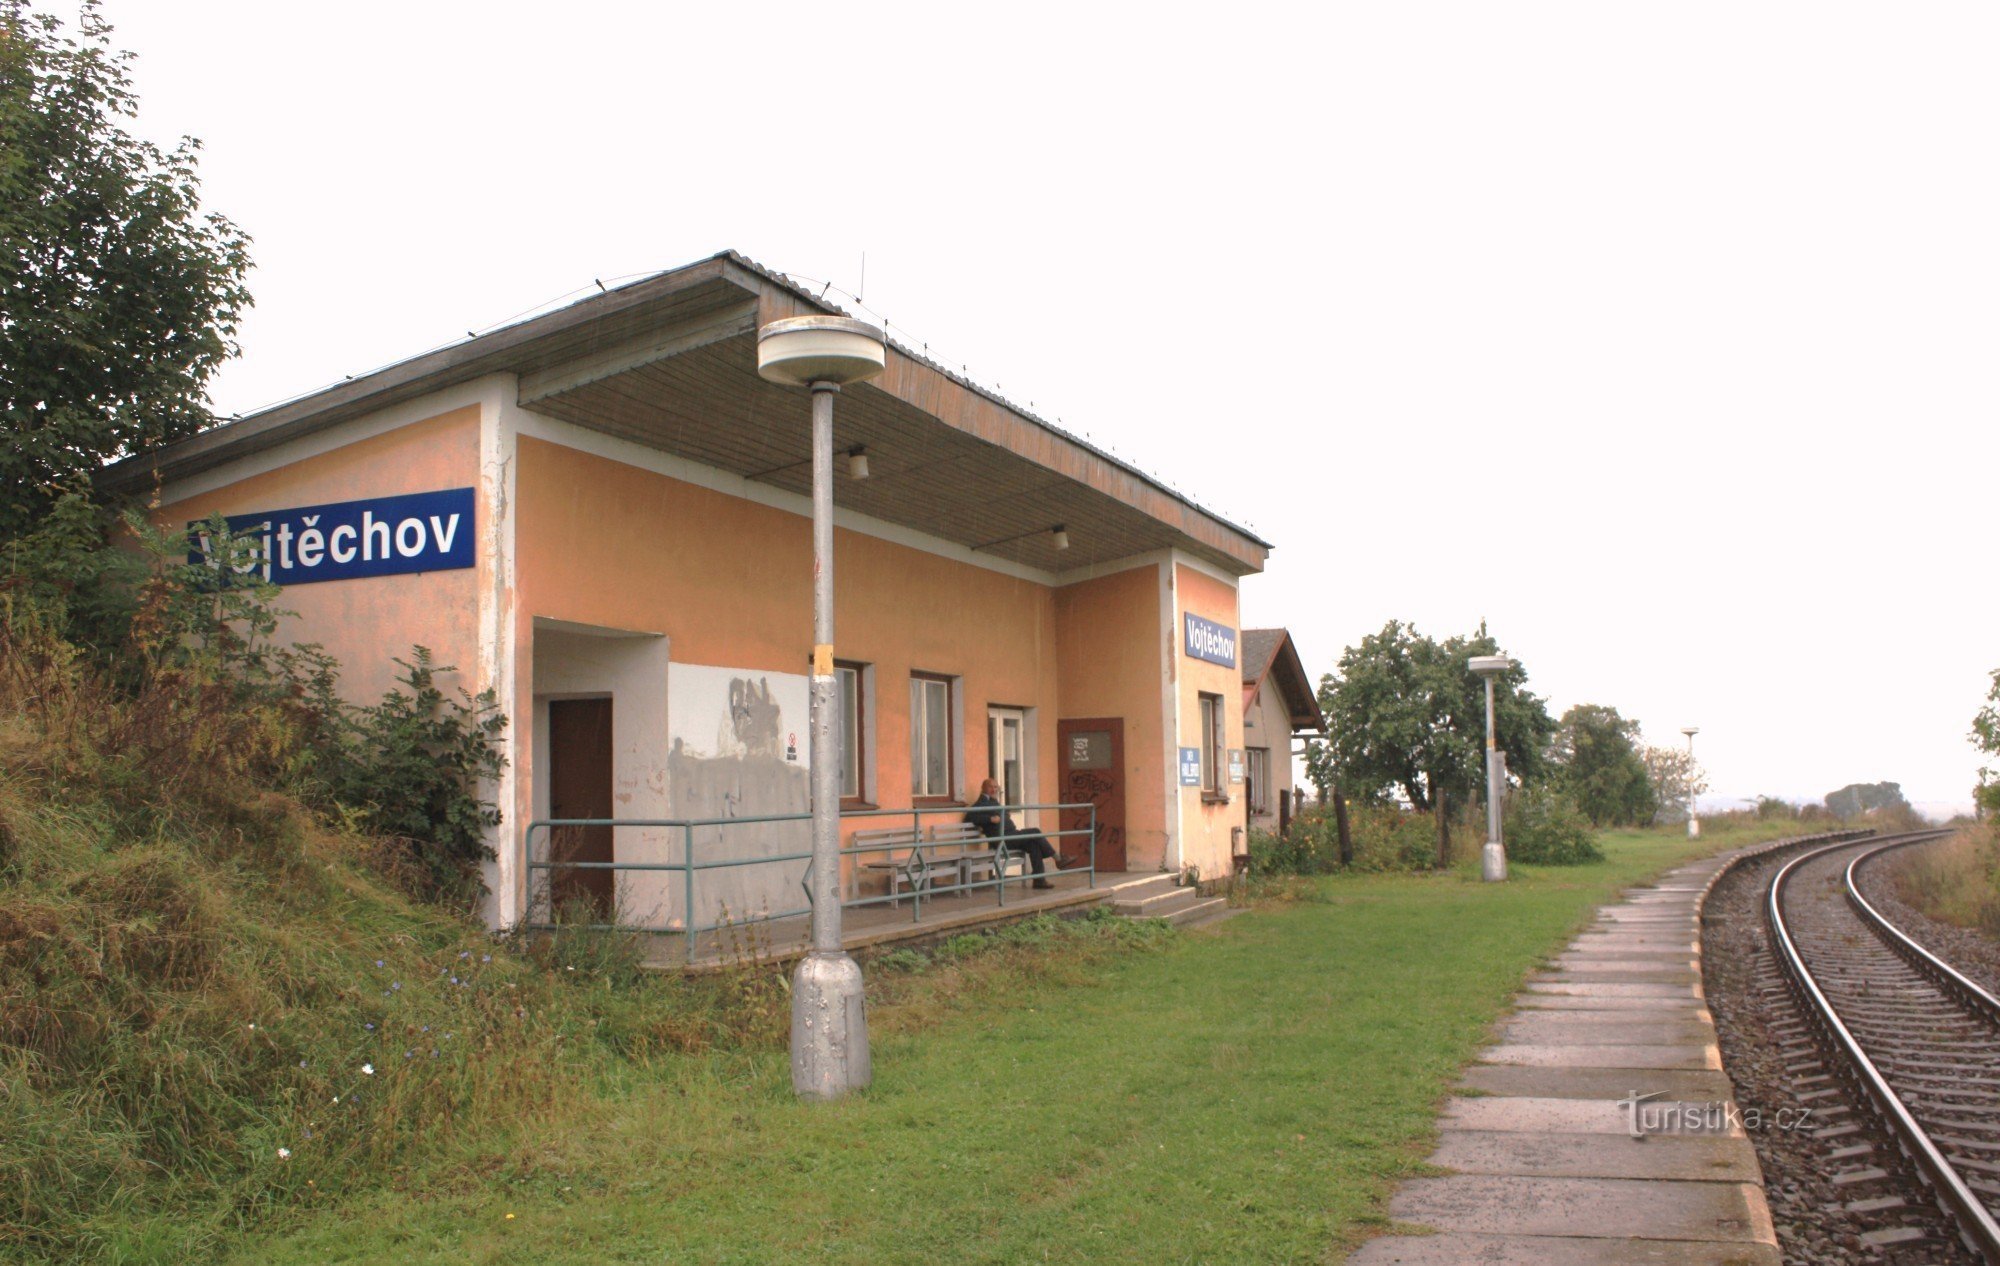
{"x": 1207, "y": 640}
{"x": 382, "y": 536}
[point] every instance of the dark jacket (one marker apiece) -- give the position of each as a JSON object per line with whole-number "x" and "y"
{"x": 994, "y": 821}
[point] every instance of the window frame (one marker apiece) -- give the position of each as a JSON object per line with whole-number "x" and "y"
{"x": 1214, "y": 745}
{"x": 1257, "y": 780}
{"x": 843, "y": 671}
{"x": 920, "y": 759}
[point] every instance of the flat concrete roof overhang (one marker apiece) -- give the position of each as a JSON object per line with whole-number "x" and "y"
{"x": 670, "y": 362}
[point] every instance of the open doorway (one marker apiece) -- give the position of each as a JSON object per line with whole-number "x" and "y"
{"x": 1007, "y": 753}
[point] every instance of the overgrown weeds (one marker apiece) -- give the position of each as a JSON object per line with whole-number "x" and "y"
{"x": 1956, "y": 880}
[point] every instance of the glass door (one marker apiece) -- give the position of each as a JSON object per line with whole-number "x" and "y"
{"x": 1006, "y": 752}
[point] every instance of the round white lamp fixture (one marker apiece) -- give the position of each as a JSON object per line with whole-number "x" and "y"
{"x": 800, "y": 351}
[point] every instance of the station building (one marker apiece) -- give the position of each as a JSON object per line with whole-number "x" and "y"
{"x": 603, "y": 514}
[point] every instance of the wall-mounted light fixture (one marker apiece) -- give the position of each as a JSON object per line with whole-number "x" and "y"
{"x": 857, "y": 462}
{"x": 1058, "y": 537}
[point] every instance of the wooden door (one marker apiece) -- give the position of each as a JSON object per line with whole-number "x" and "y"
{"x": 1093, "y": 772}
{"x": 580, "y": 787}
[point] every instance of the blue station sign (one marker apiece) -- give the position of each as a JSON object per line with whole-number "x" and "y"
{"x": 1190, "y": 767}
{"x": 382, "y": 536}
{"x": 1207, "y": 640}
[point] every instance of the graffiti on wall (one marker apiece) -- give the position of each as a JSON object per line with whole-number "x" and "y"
{"x": 732, "y": 754}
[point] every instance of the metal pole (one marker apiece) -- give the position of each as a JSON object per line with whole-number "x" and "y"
{"x": 829, "y": 1016}
{"x": 1694, "y": 823}
{"x": 1492, "y": 858}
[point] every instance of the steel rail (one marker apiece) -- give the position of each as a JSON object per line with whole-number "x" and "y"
{"x": 1948, "y": 977}
{"x": 1974, "y": 1219}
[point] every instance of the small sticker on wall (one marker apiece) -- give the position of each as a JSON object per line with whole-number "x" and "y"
{"x": 792, "y": 747}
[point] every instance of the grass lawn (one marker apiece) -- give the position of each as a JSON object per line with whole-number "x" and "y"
{"x": 1247, "y": 1094}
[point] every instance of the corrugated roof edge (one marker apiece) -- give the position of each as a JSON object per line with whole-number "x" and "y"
{"x": 123, "y": 470}
{"x": 780, "y": 279}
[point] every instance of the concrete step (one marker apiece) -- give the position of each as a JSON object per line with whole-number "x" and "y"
{"x": 1202, "y": 913}
{"x": 1155, "y": 905}
{"x": 1148, "y": 887}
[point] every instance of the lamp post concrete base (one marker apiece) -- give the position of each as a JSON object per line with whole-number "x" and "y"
{"x": 1493, "y": 862}
{"x": 829, "y": 1027}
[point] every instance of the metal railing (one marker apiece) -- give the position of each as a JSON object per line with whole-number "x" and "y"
{"x": 931, "y": 856}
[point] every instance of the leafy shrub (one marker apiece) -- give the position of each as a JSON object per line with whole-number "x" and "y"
{"x": 1384, "y": 838}
{"x": 414, "y": 764}
{"x": 1544, "y": 828}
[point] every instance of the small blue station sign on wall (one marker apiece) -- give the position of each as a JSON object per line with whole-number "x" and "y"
{"x": 1190, "y": 767}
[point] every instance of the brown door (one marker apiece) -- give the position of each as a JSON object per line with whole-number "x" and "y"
{"x": 1093, "y": 772}
{"x": 580, "y": 787}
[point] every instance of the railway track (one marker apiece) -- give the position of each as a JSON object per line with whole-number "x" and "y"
{"x": 1918, "y": 1040}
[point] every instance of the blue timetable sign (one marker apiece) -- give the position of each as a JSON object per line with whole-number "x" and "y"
{"x": 383, "y": 536}
{"x": 1190, "y": 767}
{"x": 1207, "y": 640}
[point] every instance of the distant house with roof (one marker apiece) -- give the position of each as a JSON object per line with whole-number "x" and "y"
{"x": 1279, "y": 704}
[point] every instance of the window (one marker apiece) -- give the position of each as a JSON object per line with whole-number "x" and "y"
{"x": 853, "y": 732}
{"x": 1212, "y": 738}
{"x": 931, "y": 773}
{"x": 1257, "y": 780}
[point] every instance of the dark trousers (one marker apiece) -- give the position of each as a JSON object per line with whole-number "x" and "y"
{"x": 1036, "y": 847}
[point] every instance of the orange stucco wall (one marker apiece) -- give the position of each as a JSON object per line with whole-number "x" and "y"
{"x": 1109, "y": 661}
{"x": 727, "y": 580}
{"x": 366, "y": 621}
{"x": 1205, "y": 826}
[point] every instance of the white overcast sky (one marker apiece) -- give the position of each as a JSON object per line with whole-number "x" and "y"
{"x": 1661, "y": 337}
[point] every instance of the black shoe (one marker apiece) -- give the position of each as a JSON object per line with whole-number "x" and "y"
{"x": 1043, "y": 883}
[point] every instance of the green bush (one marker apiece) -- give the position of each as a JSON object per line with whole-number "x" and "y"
{"x": 1384, "y": 838}
{"x": 413, "y": 765}
{"x": 1544, "y": 828}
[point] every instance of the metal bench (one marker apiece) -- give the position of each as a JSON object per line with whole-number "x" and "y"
{"x": 978, "y": 857}
{"x": 916, "y": 871}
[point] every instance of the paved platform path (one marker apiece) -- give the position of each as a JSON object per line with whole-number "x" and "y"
{"x": 1547, "y": 1169}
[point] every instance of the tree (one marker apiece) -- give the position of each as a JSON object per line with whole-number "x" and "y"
{"x": 1676, "y": 780}
{"x": 1986, "y": 737}
{"x": 119, "y": 298}
{"x": 1596, "y": 755}
{"x": 1407, "y": 716}
{"x": 1857, "y": 798}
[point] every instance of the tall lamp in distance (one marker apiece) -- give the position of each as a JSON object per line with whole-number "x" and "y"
{"x": 1492, "y": 858}
{"x": 1694, "y": 823}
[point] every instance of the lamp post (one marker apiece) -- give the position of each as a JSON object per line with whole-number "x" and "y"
{"x": 1492, "y": 858}
{"x": 1694, "y": 823}
{"x": 829, "y": 1013}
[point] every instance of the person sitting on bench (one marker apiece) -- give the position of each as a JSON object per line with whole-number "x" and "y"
{"x": 994, "y": 822}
